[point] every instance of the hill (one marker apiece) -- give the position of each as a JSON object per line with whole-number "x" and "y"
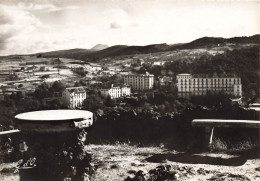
{"x": 119, "y": 50}
{"x": 99, "y": 47}
{"x": 71, "y": 53}
{"x": 207, "y": 42}
{"x": 102, "y": 51}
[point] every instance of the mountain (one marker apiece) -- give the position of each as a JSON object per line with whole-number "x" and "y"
{"x": 102, "y": 51}
{"x": 71, "y": 53}
{"x": 131, "y": 50}
{"x": 206, "y": 42}
{"x": 99, "y": 47}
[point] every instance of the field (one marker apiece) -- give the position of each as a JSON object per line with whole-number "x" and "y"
{"x": 117, "y": 162}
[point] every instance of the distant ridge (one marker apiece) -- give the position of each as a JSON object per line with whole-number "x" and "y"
{"x": 99, "y": 47}
{"x": 100, "y": 51}
{"x": 214, "y": 41}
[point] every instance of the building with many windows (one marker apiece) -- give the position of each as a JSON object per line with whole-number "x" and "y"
{"x": 73, "y": 97}
{"x": 140, "y": 81}
{"x": 200, "y": 85}
{"x": 116, "y": 92}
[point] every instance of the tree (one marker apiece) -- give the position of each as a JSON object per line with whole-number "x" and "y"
{"x": 39, "y": 56}
{"x": 110, "y": 102}
{"x": 80, "y": 71}
{"x": 58, "y": 86}
{"x": 19, "y": 96}
{"x": 20, "y": 86}
{"x": 77, "y": 84}
{"x": 93, "y": 103}
{"x": 42, "y": 68}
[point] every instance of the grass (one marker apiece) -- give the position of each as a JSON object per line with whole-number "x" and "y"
{"x": 220, "y": 145}
{"x": 113, "y": 162}
{"x": 122, "y": 159}
{"x": 119, "y": 160}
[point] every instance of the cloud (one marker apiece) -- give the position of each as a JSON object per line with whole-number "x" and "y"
{"x": 116, "y": 13}
{"x": 135, "y": 24}
{"x": 15, "y": 22}
{"x": 4, "y": 19}
{"x": 124, "y": 23}
{"x": 116, "y": 25}
{"x": 72, "y": 7}
{"x": 38, "y": 7}
{"x": 45, "y": 7}
{"x": 30, "y": 26}
{"x": 119, "y": 18}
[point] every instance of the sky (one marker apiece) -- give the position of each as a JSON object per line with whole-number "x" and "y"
{"x": 31, "y": 26}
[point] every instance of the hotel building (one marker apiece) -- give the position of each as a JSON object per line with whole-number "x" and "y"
{"x": 200, "y": 85}
{"x": 73, "y": 97}
{"x": 116, "y": 92}
{"x": 140, "y": 81}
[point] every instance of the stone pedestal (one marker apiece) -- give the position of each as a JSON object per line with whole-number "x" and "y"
{"x": 55, "y": 140}
{"x": 59, "y": 156}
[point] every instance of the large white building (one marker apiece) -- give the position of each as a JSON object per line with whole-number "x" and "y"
{"x": 73, "y": 97}
{"x": 116, "y": 92}
{"x": 140, "y": 81}
{"x": 200, "y": 85}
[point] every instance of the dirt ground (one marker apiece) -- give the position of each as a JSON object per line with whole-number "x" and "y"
{"x": 117, "y": 162}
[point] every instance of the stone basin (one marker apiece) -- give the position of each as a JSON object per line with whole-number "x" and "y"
{"x": 54, "y": 120}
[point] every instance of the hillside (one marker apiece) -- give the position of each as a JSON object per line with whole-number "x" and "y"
{"x": 99, "y": 47}
{"x": 121, "y": 161}
{"x": 207, "y": 42}
{"x": 103, "y": 51}
{"x": 120, "y": 50}
{"x": 71, "y": 53}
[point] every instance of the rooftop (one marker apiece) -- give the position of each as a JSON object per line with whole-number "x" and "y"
{"x": 54, "y": 115}
{"x": 146, "y": 74}
{"x": 224, "y": 75}
{"x": 76, "y": 89}
{"x": 183, "y": 74}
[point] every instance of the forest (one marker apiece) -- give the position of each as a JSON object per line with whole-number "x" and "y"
{"x": 242, "y": 62}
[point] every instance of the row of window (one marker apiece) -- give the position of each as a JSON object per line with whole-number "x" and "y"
{"x": 139, "y": 81}
{"x": 214, "y": 80}
{"x": 79, "y": 96}
{"x": 208, "y": 82}
{"x": 74, "y": 104}
{"x": 204, "y": 93}
{"x": 201, "y": 79}
{"x": 139, "y": 78}
{"x": 191, "y": 90}
{"x": 205, "y": 86}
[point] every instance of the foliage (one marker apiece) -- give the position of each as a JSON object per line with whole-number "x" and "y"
{"x": 109, "y": 80}
{"x": 93, "y": 102}
{"x": 45, "y": 90}
{"x": 13, "y": 77}
{"x": 170, "y": 128}
{"x": 242, "y": 62}
{"x": 211, "y": 100}
{"x": 80, "y": 71}
{"x": 20, "y": 85}
{"x": 221, "y": 145}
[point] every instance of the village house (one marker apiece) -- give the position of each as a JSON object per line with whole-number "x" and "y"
{"x": 73, "y": 97}
{"x": 159, "y": 63}
{"x": 116, "y": 92}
